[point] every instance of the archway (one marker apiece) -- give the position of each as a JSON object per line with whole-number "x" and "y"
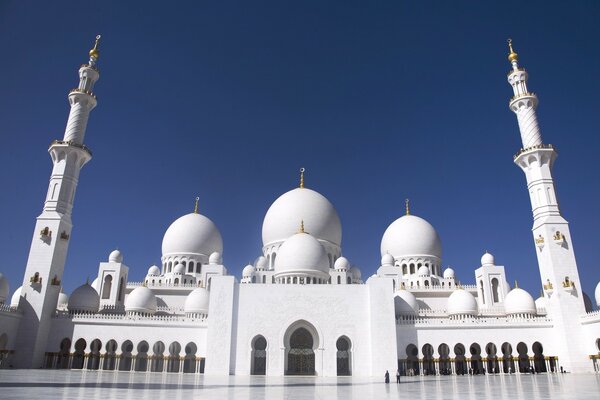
{"x": 428, "y": 366}
{"x": 110, "y": 357}
{"x": 158, "y": 358}
{"x": 343, "y": 359}
{"x": 476, "y": 360}
{"x": 412, "y": 360}
{"x": 106, "y": 287}
{"x": 64, "y": 353}
{"x": 539, "y": 360}
{"x": 524, "y": 364}
{"x": 141, "y": 359}
{"x": 173, "y": 361}
{"x": 80, "y": 346}
{"x": 189, "y": 362}
{"x": 126, "y": 349}
{"x": 259, "y": 356}
{"x": 94, "y": 357}
{"x": 445, "y": 367}
{"x": 460, "y": 360}
{"x": 300, "y": 353}
{"x": 493, "y": 367}
{"x": 508, "y": 365}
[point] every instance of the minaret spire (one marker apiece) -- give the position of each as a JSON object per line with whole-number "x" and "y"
{"x": 52, "y": 232}
{"x": 302, "y": 177}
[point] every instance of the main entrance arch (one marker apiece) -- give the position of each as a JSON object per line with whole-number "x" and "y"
{"x": 301, "y": 354}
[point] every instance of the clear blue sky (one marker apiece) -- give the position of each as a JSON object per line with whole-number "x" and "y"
{"x": 227, "y": 100}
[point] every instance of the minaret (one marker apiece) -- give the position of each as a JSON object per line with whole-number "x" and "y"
{"x": 551, "y": 235}
{"x": 52, "y": 232}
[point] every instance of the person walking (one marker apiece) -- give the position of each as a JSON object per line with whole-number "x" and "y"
{"x": 397, "y": 376}
{"x": 387, "y": 377}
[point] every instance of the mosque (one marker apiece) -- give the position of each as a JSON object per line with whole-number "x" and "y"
{"x": 188, "y": 315}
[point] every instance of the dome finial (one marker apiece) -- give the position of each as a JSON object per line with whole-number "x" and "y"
{"x": 407, "y": 203}
{"x": 301, "y": 227}
{"x": 196, "y": 205}
{"x": 516, "y": 284}
{"x": 512, "y": 56}
{"x": 302, "y": 177}
{"x": 95, "y": 53}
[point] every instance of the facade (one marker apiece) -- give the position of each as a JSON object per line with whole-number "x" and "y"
{"x": 188, "y": 315}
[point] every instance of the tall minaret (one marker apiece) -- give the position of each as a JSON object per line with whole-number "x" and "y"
{"x": 52, "y": 233}
{"x": 551, "y": 235}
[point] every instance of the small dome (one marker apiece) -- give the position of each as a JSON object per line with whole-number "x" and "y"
{"x": 63, "y": 301}
{"x": 197, "y": 302}
{"x": 518, "y": 301}
{"x": 587, "y": 302}
{"x": 387, "y": 260}
{"x": 4, "y": 288}
{"x": 320, "y": 217}
{"x": 341, "y": 264}
{"x": 115, "y": 257}
{"x": 597, "y": 294}
{"x": 141, "y": 300}
{"x": 448, "y": 273}
{"x": 153, "y": 271}
{"x": 410, "y": 235}
{"x": 248, "y": 271}
{"x": 462, "y": 302}
{"x": 179, "y": 269}
{"x": 405, "y": 303}
{"x": 261, "y": 262}
{"x": 355, "y": 272}
{"x": 423, "y": 271}
{"x": 303, "y": 254}
{"x": 541, "y": 302}
{"x": 487, "y": 259}
{"x": 85, "y": 298}
{"x": 14, "y": 300}
{"x": 215, "y": 258}
{"x": 192, "y": 234}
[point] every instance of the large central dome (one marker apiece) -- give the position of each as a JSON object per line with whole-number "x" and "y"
{"x": 192, "y": 234}
{"x": 301, "y": 204}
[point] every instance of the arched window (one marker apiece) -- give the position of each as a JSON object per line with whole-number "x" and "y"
{"x": 412, "y": 268}
{"x": 482, "y": 293}
{"x": 177, "y": 281}
{"x": 106, "y": 287}
{"x": 259, "y": 356}
{"x": 404, "y": 269}
{"x": 121, "y": 286}
{"x": 198, "y": 267}
{"x": 191, "y": 267}
{"x": 495, "y": 290}
{"x": 348, "y": 280}
{"x": 264, "y": 279}
{"x": 343, "y": 356}
{"x": 339, "y": 280}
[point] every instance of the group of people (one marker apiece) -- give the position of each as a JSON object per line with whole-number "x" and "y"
{"x": 387, "y": 376}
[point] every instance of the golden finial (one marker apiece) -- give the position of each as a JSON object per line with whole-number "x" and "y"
{"x": 94, "y": 52}
{"x": 301, "y": 227}
{"x": 516, "y": 284}
{"x": 196, "y": 205}
{"x": 302, "y": 177}
{"x": 406, "y": 202}
{"x": 512, "y": 56}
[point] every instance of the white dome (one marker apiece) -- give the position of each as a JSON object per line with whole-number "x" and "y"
{"x": 4, "y": 288}
{"x": 410, "y": 235}
{"x": 341, "y": 264}
{"x": 248, "y": 271}
{"x": 283, "y": 217}
{"x": 518, "y": 301}
{"x": 301, "y": 253}
{"x": 14, "y": 300}
{"x": 355, "y": 272}
{"x": 141, "y": 300}
{"x": 597, "y": 294}
{"x": 462, "y": 302}
{"x": 387, "y": 260}
{"x": 96, "y": 285}
{"x": 215, "y": 258}
{"x": 153, "y": 271}
{"x": 448, "y": 273}
{"x": 423, "y": 271}
{"x": 487, "y": 259}
{"x": 62, "y": 302}
{"x": 261, "y": 263}
{"x": 115, "y": 257}
{"x": 84, "y": 298}
{"x": 192, "y": 234}
{"x": 405, "y": 302}
{"x": 541, "y": 302}
{"x": 179, "y": 269}
{"x": 197, "y": 302}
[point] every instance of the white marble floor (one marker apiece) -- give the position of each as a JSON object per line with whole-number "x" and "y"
{"x": 49, "y": 384}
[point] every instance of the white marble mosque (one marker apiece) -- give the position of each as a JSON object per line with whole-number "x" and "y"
{"x": 188, "y": 315}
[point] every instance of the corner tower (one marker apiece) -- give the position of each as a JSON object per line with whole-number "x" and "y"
{"x": 551, "y": 235}
{"x": 52, "y": 232}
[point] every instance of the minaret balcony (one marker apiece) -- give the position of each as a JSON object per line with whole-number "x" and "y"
{"x": 528, "y": 149}
{"x": 77, "y": 90}
{"x": 73, "y": 144}
{"x": 522, "y": 95}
